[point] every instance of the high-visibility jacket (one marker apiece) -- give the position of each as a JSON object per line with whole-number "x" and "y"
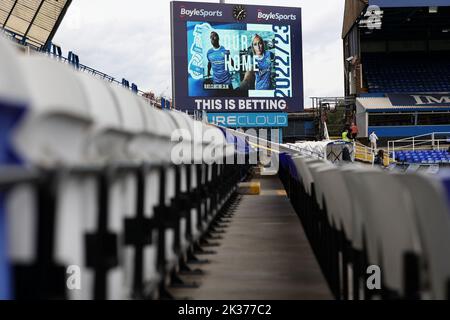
{"x": 345, "y": 136}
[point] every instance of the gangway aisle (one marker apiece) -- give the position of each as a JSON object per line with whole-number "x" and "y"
{"x": 264, "y": 254}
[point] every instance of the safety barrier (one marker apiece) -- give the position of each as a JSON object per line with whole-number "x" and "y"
{"x": 438, "y": 141}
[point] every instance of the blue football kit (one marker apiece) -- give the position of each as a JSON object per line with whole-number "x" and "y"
{"x": 217, "y": 59}
{"x": 263, "y": 75}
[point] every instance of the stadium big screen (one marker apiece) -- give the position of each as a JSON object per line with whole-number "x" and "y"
{"x": 236, "y": 58}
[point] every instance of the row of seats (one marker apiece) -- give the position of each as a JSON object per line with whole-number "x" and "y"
{"x": 94, "y": 179}
{"x": 361, "y": 219}
{"x": 400, "y": 74}
{"x": 423, "y": 156}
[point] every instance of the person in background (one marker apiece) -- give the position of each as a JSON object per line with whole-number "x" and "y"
{"x": 355, "y": 131}
{"x": 379, "y": 158}
{"x": 216, "y": 61}
{"x": 261, "y": 77}
{"x": 345, "y": 135}
{"x": 264, "y": 60}
{"x": 373, "y": 141}
{"x": 346, "y": 155}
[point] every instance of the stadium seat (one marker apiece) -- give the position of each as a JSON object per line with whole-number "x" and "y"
{"x": 13, "y": 105}
{"x": 140, "y": 252}
{"x": 53, "y": 134}
{"x": 339, "y": 208}
{"x": 54, "y": 131}
{"x": 403, "y": 74}
{"x": 358, "y": 205}
{"x": 326, "y": 230}
{"x": 431, "y": 212}
{"x": 101, "y": 155}
{"x": 183, "y": 156}
{"x": 309, "y": 208}
{"x": 90, "y": 202}
{"x": 391, "y": 235}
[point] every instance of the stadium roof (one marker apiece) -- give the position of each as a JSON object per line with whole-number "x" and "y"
{"x": 354, "y": 8}
{"x": 33, "y": 21}
{"x": 409, "y": 3}
{"x": 379, "y": 104}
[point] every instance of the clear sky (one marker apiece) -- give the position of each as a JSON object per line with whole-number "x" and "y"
{"x": 131, "y": 39}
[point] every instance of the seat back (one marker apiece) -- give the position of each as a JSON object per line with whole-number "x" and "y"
{"x": 132, "y": 122}
{"x": 362, "y": 231}
{"x": 184, "y": 135}
{"x": 431, "y": 211}
{"x": 12, "y": 85}
{"x": 54, "y": 130}
{"x": 169, "y": 127}
{"x": 157, "y": 131}
{"x": 338, "y": 199}
{"x": 54, "y": 133}
{"x": 213, "y": 143}
{"x": 391, "y": 223}
{"x": 306, "y": 177}
{"x": 13, "y": 101}
{"x": 13, "y": 105}
{"x": 319, "y": 172}
{"x": 107, "y": 139}
{"x": 357, "y": 205}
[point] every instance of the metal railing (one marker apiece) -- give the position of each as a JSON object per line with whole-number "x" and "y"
{"x": 81, "y": 67}
{"x": 364, "y": 153}
{"x": 432, "y": 141}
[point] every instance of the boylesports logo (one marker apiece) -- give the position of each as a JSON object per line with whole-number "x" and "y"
{"x": 199, "y": 13}
{"x": 275, "y": 16}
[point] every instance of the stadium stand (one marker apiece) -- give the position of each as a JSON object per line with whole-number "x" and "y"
{"x": 423, "y": 157}
{"x": 393, "y": 51}
{"x": 406, "y": 73}
{"x": 92, "y": 176}
{"x": 33, "y": 23}
{"x": 89, "y": 158}
{"x": 350, "y": 229}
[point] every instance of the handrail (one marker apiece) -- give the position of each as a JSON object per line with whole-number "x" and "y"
{"x": 367, "y": 155}
{"x": 422, "y": 135}
{"x": 364, "y": 153}
{"x": 280, "y": 147}
{"x": 81, "y": 67}
{"x": 419, "y": 143}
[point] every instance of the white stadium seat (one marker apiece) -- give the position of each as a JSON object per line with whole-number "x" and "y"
{"x": 13, "y": 105}
{"x": 55, "y": 128}
{"x": 431, "y": 211}
{"x": 107, "y": 138}
{"x": 53, "y": 134}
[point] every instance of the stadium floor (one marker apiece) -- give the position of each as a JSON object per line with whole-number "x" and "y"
{"x": 264, "y": 254}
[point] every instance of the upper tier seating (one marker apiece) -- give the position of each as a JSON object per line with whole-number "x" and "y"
{"x": 406, "y": 74}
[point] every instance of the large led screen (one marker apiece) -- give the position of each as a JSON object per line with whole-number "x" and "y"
{"x": 236, "y": 58}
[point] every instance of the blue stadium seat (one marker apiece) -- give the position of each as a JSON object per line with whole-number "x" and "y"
{"x": 422, "y": 156}
{"x": 395, "y": 73}
{"x": 13, "y": 105}
{"x": 53, "y": 134}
